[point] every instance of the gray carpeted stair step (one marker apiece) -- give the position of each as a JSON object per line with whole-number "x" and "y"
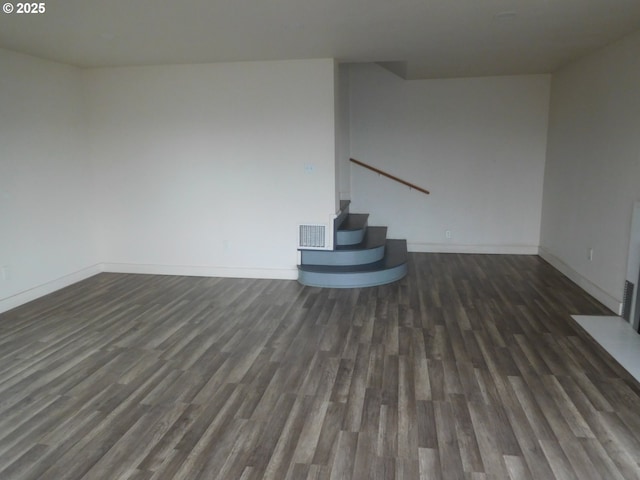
{"x": 352, "y": 229}
{"x": 370, "y": 250}
{"x": 392, "y": 267}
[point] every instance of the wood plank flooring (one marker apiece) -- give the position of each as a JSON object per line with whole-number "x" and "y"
{"x": 469, "y": 368}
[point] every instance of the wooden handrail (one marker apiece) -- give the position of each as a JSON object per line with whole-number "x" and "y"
{"x": 388, "y": 175}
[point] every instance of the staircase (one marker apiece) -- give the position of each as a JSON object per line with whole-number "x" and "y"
{"x": 362, "y": 257}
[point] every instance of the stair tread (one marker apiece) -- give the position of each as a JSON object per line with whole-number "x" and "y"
{"x": 395, "y": 255}
{"x": 354, "y": 221}
{"x": 374, "y": 237}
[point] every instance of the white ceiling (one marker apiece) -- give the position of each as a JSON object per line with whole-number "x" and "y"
{"x": 427, "y": 38}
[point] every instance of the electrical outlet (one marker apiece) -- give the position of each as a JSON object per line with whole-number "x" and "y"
{"x": 5, "y": 273}
{"x": 447, "y": 234}
{"x": 590, "y": 254}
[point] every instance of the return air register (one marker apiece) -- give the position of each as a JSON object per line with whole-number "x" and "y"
{"x": 312, "y": 236}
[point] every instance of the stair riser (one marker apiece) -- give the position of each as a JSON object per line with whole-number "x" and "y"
{"x": 350, "y": 237}
{"x": 338, "y": 257}
{"x": 352, "y": 280}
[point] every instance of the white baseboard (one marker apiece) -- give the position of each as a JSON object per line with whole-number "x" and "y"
{"x": 34, "y": 293}
{"x": 203, "y": 271}
{"x": 21, "y": 298}
{"x": 480, "y": 249}
{"x": 608, "y": 300}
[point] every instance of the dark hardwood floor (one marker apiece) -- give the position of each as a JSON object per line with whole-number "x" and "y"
{"x": 469, "y": 368}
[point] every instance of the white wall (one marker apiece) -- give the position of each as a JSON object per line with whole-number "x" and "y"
{"x": 343, "y": 147}
{"x": 592, "y": 173}
{"x": 201, "y": 168}
{"x": 478, "y": 144}
{"x": 45, "y": 181}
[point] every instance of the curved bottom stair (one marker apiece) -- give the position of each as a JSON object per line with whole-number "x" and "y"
{"x": 363, "y": 257}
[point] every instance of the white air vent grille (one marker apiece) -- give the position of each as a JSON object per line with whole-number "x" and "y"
{"x": 312, "y": 236}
